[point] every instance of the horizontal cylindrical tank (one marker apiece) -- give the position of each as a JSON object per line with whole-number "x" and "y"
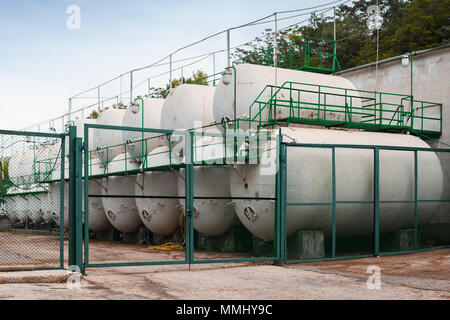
{"x": 79, "y": 124}
{"x": 212, "y": 217}
{"x": 309, "y": 180}
{"x": 53, "y": 201}
{"x": 188, "y": 106}
{"x": 108, "y": 144}
{"x": 10, "y": 207}
{"x": 121, "y": 212}
{"x": 144, "y": 113}
{"x": 98, "y": 222}
{"x": 161, "y": 216}
{"x": 252, "y": 79}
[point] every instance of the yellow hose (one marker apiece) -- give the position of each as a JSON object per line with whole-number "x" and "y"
{"x": 167, "y": 247}
{"x": 172, "y": 246}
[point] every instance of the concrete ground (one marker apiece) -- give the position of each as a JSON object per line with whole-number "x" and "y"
{"x": 417, "y": 276}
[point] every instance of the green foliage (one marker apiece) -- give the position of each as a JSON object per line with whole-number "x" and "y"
{"x": 409, "y": 25}
{"x": 198, "y": 77}
{"x": 4, "y": 177}
{"x": 93, "y": 115}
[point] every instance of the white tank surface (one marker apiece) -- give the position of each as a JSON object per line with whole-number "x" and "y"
{"x": 161, "y": 216}
{"x": 309, "y": 175}
{"x": 122, "y": 213}
{"x": 53, "y": 200}
{"x": 144, "y": 113}
{"x": 11, "y": 208}
{"x": 33, "y": 201}
{"x": 252, "y": 79}
{"x": 21, "y": 207}
{"x": 98, "y": 222}
{"x": 108, "y": 143}
{"x": 14, "y": 167}
{"x": 79, "y": 123}
{"x": 188, "y": 106}
{"x": 212, "y": 217}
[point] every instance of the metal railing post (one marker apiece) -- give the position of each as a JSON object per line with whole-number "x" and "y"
{"x": 376, "y": 203}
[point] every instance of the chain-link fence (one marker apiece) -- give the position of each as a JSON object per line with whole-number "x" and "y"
{"x": 32, "y": 200}
{"x": 164, "y": 196}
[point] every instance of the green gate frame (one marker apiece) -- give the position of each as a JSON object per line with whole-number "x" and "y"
{"x": 62, "y": 137}
{"x": 189, "y": 207}
{"x": 284, "y": 146}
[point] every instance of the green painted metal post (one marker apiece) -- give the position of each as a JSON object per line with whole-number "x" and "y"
{"x": 278, "y": 183}
{"x": 333, "y": 201}
{"x": 416, "y": 213}
{"x": 86, "y": 195}
{"x": 283, "y": 191}
{"x": 61, "y": 202}
{"x": 376, "y": 203}
{"x": 189, "y": 194}
{"x": 78, "y": 204}
{"x": 75, "y": 176}
{"x": 72, "y": 221}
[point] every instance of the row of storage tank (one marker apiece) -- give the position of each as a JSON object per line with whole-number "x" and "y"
{"x": 192, "y": 106}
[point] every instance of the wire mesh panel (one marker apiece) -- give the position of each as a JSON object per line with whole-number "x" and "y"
{"x": 32, "y": 200}
{"x": 132, "y": 213}
{"x": 235, "y": 215}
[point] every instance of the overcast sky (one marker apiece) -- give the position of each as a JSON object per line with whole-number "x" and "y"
{"x": 43, "y": 62}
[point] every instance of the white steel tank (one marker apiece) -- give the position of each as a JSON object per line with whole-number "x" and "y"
{"x": 122, "y": 213}
{"x": 212, "y": 217}
{"x": 21, "y": 205}
{"x": 98, "y": 222}
{"x": 79, "y": 123}
{"x": 188, "y": 106}
{"x": 161, "y": 216}
{"x": 33, "y": 201}
{"x": 309, "y": 181}
{"x": 144, "y": 113}
{"x": 11, "y": 207}
{"x": 43, "y": 171}
{"x": 108, "y": 144}
{"x": 252, "y": 79}
{"x": 53, "y": 200}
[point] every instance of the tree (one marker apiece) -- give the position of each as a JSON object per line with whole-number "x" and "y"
{"x": 409, "y": 25}
{"x": 198, "y": 77}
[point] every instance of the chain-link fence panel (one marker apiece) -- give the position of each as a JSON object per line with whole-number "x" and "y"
{"x": 32, "y": 200}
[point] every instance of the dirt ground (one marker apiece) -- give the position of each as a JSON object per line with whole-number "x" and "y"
{"x": 417, "y": 276}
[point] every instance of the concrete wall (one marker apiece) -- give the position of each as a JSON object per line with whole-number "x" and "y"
{"x": 431, "y": 78}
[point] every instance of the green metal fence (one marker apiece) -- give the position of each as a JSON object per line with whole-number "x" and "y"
{"x": 305, "y": 53}
{"x": 32, "y": 199}
{"x": 413, "y": 236}
{"x": 303, "y": 103}
{"x": 183, "y": 155}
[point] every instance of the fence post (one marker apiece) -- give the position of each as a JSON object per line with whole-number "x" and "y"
{"x": 376, "y": 203}
{"x": 282, "y": 197}
{"x": 189, "y": 202}
{"x": 75, "y": 177}
{"x": 333, "y": 200}
{"x": 416, "y": 216}
{"x": 61, "y": 202}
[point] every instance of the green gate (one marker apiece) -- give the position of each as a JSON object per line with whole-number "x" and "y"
{"x": 34, "y": 209}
